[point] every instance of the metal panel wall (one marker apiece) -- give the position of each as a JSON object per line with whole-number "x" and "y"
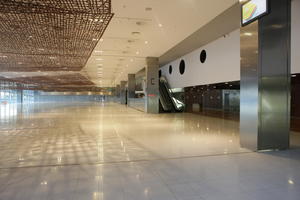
{"x": 274, "y": 88}
{"x": 249, "y": 97}
{"x": 265, "y": 80}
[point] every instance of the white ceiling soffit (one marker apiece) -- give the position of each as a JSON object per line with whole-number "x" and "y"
{"x": 223, "y": 24}
{"x": 142, "y": 28}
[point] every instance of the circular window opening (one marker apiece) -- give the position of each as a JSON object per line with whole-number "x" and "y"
{"x": 170, "y": 69}
{"x": 203, "y": 56}
{"x": 159, "y": 73}
{"x": 182, "y": 67}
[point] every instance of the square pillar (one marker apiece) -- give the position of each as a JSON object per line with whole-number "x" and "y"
{"x": 123, "y": 91}
{"x": 265, "y": 80}
{"x": 131, "y": 87}
{"x": 152, "y": 85}
{"x": 117, "y": 94}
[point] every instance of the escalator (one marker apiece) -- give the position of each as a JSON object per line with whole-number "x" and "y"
{"x": 167, "y": 99}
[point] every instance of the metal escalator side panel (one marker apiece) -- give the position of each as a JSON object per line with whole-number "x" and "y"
{"x": 176, "y": 106}
{"x": 163, "y": 98}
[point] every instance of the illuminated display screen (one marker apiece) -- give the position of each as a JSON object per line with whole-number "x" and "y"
{"x": 253, "y": 10}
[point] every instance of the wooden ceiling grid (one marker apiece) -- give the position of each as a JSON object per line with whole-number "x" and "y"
{"x": 50, "y": 35}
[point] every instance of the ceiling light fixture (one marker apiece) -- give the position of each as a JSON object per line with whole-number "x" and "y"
{"x": 146, "y": 42}
{"x": 248, "y": 34}
{"x": 160, "y": 25}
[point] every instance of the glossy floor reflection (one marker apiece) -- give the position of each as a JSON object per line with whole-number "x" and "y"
{"x": 108, "y": 151}
{"x": 110, "y": 133}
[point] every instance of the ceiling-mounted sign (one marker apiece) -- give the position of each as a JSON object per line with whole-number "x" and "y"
{"x": 253, "y": 10}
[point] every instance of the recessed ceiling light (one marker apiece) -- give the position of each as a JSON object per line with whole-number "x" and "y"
{"x": 137, "y": 53}
{"x": 135, "y": 33}
{"x": 146, "y": 42}
{"x": 160, "y": 25}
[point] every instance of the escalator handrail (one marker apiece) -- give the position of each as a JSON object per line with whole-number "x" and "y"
{"x": 167, "y": 106}
{"x": 177, "y": 104}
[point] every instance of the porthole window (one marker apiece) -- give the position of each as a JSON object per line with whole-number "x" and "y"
{"x": 159, "y": 73}
{"x": 170, "y": 69}
{"x": 182, "y": 67}
{"x": 203, "y": 56}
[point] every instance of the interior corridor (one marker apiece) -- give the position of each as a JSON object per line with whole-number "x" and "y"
{"x": 109, "y": 151}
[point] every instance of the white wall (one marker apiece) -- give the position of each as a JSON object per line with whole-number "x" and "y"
{"x": 223, "y": 59}
{"x": 222, "y": 64}
{"x": 295, "y": 41}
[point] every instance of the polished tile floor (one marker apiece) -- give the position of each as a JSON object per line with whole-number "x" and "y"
{"x": 108, "y": 151}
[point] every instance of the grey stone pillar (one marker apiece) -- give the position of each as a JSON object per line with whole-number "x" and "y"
{"x": 117, "y": 95}
{"x": 131, "y": 87}
{"x": 123, "y": 95}
{"x": 265, "y": 80}
{"x": 152, "y": 85}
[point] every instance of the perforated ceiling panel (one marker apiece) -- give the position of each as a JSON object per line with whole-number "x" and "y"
{"x": 50, "y": 35}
